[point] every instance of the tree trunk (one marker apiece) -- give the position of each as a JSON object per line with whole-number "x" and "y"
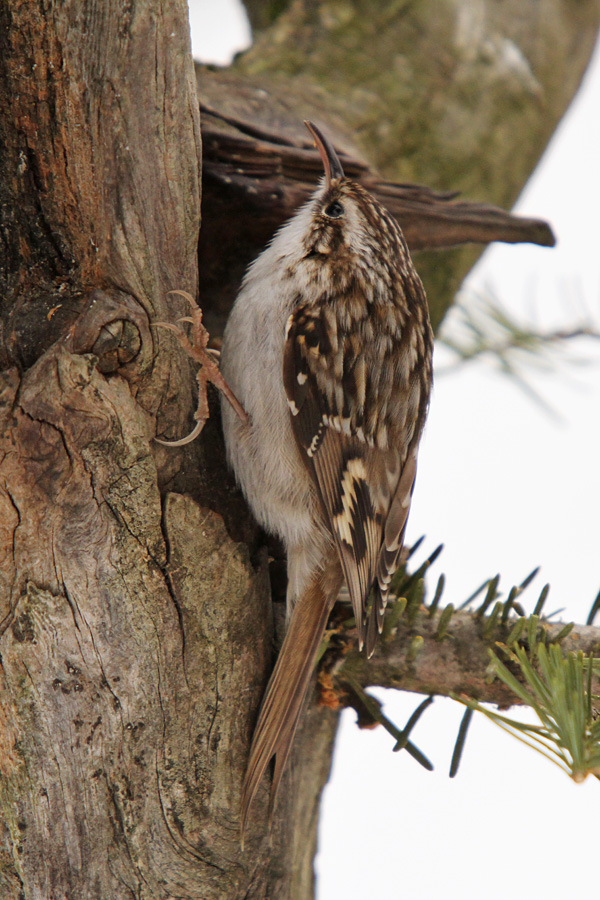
{"x": 135, "y": 604}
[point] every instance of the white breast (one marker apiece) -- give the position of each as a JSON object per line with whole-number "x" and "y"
{"x": 264, "y": 455}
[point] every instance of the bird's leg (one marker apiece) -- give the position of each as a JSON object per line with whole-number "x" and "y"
{"x": 197, "y": 349}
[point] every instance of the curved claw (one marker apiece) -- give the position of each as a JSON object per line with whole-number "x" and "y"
{"x": 196, "y": 348}
{"x": 182, "y": 441}
{"x": 186, "y": 296}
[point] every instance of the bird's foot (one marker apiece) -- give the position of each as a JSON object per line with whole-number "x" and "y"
{"x": 196, "y": 346}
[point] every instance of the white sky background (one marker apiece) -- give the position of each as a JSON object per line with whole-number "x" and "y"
{"x": 506, "y": 487}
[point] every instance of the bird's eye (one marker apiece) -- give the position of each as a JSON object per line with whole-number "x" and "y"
{"x": 334, "y": 210}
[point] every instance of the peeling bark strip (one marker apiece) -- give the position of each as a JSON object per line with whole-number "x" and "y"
{"x": 275, "y": 174}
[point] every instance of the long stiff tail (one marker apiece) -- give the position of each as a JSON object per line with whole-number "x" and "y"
{"x": 284, "y": 697}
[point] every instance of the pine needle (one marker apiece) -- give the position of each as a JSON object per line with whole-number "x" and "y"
{"x": 558, "y": 687}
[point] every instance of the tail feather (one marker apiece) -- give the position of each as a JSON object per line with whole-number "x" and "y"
{"x": 376, "y": 618}
{"x": 285, "y": 694}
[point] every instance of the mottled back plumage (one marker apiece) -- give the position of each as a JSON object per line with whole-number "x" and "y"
{"x": 328, "y": 348}
{"x": 357, "y": 374}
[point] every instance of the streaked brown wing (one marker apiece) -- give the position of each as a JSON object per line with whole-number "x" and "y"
{"x": 357, "y": 482}
{"x": 391, "y": 547}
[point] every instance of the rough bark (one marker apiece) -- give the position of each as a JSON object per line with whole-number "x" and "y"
{"x": 134, "y": 596}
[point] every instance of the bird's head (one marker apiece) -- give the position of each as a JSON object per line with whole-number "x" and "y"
{"x": 342, "y": 241}
{"x": 348, "y": 231}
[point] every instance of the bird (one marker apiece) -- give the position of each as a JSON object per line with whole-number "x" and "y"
{"x": 328, "y": 348}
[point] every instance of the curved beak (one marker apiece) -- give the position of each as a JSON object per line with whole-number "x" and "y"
{"x": 331, "y": 163}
